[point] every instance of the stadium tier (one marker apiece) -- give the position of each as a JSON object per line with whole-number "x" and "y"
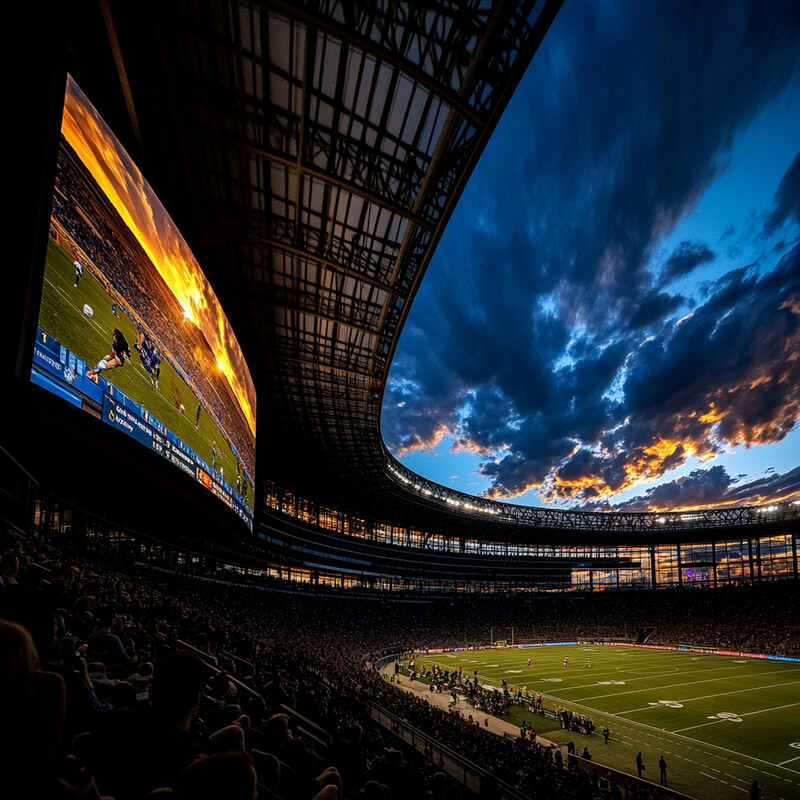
{"x": 228, "y": 209}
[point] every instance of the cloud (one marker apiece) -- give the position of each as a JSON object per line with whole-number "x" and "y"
{"x": 770, "y": 488}
{"x": 541, "y": 330}
{"x": 653, "y": 307}
{"x": 727, "y": 376}
{"x": 786, "y": 204}
{"x": 704, "y": 488}
{"x": 686, "y": 257}
{"x": 730, "y": 370}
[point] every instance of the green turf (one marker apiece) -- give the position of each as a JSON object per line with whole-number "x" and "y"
{"x": 708, "y": 757}
{"x": 61, "y": 316}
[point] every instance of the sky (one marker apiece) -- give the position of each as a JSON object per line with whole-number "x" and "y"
{"x": 612, "y": 317}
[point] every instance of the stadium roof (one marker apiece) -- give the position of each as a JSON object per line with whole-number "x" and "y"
{"x": 312, "y": 155}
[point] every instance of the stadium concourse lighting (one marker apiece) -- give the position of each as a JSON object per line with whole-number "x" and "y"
{"x": 473, "y": 504}
{"x": 469, "y": 503}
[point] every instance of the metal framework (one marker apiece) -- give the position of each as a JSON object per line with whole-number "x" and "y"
{"x": 312, "y": 154}
{"x": 709, "y": 520}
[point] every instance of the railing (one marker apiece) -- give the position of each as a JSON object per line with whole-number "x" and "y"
{"x": 18, "y": 490}
{"x": 204, "y": 656}
{"x": 472, "y": 775}
{"x": 463, "y": 770}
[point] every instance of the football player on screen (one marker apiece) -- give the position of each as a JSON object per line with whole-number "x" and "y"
{"x": 149, "y": 355}
{"x": 120, "y": 349}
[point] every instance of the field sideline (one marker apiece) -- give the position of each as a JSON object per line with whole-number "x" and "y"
{"x": 720, "y": 721}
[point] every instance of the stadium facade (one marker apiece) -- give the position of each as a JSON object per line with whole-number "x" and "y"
{"x": 312, "y": 155}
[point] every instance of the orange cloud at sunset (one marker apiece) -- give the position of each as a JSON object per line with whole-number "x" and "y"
{"x": 135, "y": 202}
{"x": 465, "y": 445}
{"x": 753, "y": 500}
{"x": 711, "y": 416}
{"x": 497, "y": 493}
{"x": 423, "y": 444}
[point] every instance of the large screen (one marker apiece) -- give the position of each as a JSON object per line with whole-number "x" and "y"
{"x": 129, "y": 328}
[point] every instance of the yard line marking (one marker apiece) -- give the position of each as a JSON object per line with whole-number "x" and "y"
{"x": 788, "y": 761}
{"x": 674, "y": 686}
{"x": 708, "y": 776}
{"x": 780, "y": 668}
{"x": 704, "y": 667}
{"x": 708, "y": 697}
{"x": 684, "y": 673}
{"x": 748, "y": 714}
{"x": 740, "y": 789}
{"x": 685, "y": 739}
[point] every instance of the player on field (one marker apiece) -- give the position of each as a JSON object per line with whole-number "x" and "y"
{"x": 149, "y": 355}
{"x": 116, "y": 358}
{"x": 78, "y": 272}
{"x": 238, "y": 477}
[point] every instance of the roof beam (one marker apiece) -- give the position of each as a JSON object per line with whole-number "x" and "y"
{"x": 295, "y": 12}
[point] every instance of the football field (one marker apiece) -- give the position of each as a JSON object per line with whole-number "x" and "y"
{"x": 719, "y": 721}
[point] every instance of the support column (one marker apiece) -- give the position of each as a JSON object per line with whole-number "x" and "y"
{"x": 653, "y": 580}
{"x": 758, "y": 559}
{"x": 714, "y": 561}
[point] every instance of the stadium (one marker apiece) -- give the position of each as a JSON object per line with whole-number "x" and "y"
{"x": 193, "y": 604}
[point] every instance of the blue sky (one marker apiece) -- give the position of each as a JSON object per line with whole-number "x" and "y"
{"x": 612, "y": 317}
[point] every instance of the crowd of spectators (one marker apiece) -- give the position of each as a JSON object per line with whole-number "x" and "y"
{"x": 760, "y": 618}
{"x": 489, "y": 699}
{"x": 151, "y": 683}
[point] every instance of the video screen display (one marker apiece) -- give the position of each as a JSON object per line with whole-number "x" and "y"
{"x": 129, "y": 328}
